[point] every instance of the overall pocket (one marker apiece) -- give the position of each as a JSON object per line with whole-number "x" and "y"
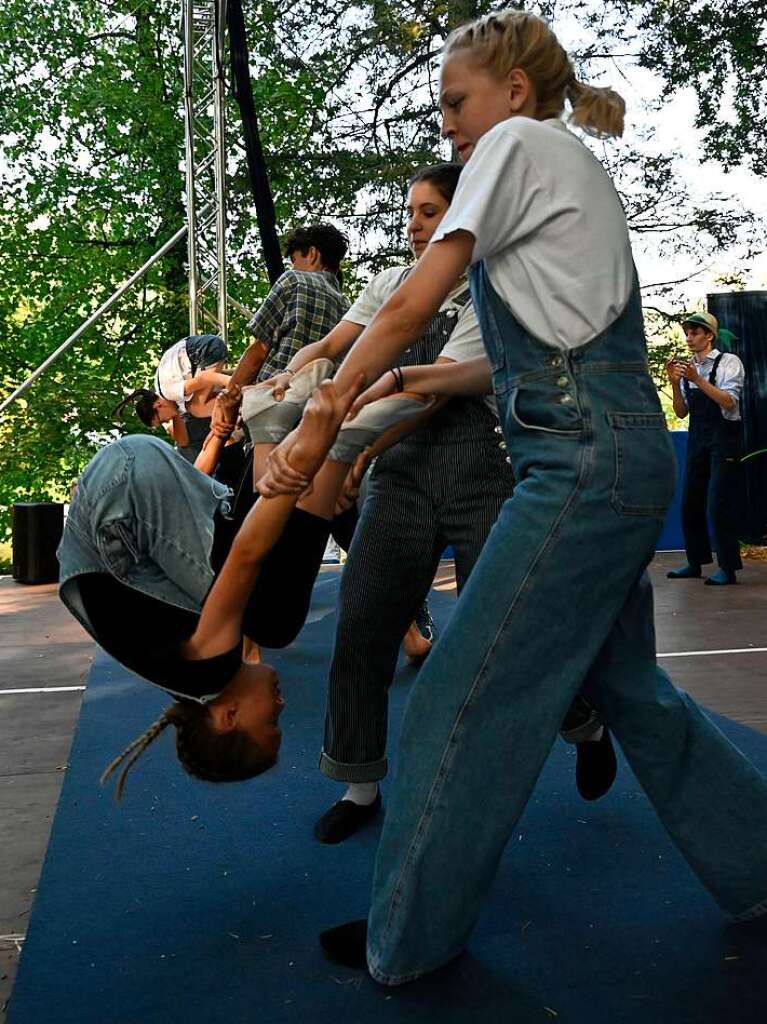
{"x": 645, "y": 466}
{"x": 541, "y": 408}
{"x": 118, "y": 547}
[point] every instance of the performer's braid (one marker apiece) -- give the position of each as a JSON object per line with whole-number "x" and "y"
{"x": 203, "y": 751}
{"x": 134, "y": 751}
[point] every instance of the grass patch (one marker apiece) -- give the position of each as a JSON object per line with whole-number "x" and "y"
{"x": 5, "y": 557}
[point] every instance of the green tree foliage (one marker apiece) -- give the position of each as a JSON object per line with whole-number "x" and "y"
{"x": 91, "y": 158}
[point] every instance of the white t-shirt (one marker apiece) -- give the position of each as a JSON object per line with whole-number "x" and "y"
{"x": 465, "y": 341}
{"x": 550, "y": 227}
{"x": 174, "y": 369}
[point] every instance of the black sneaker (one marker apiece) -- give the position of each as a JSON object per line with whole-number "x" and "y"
{"x": 344, "y": 819}
{"x": 425, "y": 623}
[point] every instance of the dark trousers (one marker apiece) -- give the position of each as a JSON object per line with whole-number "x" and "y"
{"x": 420, "y": 499}
{"x": 712, "y": 479}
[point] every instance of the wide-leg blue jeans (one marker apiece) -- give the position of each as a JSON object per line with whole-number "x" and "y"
{"x": 559, "y": 594}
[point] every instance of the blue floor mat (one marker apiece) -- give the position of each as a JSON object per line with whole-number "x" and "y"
{"x": 195, "y": 903}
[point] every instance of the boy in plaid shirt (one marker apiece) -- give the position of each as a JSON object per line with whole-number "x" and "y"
{"x": 304, "y": 305}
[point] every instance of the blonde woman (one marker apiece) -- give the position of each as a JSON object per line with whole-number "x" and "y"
{"x": 560, "y": 590}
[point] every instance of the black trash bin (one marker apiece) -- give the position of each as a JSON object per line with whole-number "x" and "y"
{"x": 37, "y": 530}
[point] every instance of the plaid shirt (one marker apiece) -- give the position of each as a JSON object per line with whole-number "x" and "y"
{"x": 302, "y": 307}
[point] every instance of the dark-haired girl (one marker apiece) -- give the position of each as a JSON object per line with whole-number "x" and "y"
{"x": 444, "y": 484}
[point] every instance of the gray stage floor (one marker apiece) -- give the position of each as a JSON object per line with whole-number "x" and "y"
{"x": 46, "y": 655}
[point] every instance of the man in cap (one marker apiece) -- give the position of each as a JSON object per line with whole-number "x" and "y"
{"x": 709, "y": 388}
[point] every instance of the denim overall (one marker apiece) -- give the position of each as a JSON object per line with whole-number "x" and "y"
{"x": 558, "y": 598}
{"x": 197, "y": 428}
{"x": 711, "y": 480}
{"x": 459, "y": 421}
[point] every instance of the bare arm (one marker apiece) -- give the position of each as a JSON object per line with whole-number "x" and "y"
{"x": 445, "y": 378}
{"x": 177, "y": 430}
{"x": 674, "y": 374}
{"x": 722, "y": 398}
{"x": 405, "y": 316}
{"x": 203, "y": 379}
{"x": 250, "y": 363}
{"x": 209, "y": 457}
{"x": 333, "y": 345}
{"x": 220, "y": 624}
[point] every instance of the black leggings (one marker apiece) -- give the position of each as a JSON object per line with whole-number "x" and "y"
{"x": 279, "y": 602}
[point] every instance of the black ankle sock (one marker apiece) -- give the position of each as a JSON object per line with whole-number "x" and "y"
{"x": 347, "y": 944}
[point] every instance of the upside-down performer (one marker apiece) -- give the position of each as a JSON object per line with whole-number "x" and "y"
{"x": 169, "y": 578}
{"x": 560, "y": 590}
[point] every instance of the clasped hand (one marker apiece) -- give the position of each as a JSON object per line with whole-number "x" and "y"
{"x": 293, "y": 463}
{"x": 226, "y": 409}
{"x": 676, "y": 371}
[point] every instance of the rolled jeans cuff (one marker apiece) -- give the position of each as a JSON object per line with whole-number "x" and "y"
{"x": 372, "y": 771}
{"x": 582, "y": 732}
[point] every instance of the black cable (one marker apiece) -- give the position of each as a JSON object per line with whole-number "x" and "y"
{"x": 259, "y": 180}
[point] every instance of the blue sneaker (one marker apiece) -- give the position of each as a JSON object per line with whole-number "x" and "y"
{"x": 721, "y": 578}
{"x": 686, "y": 572}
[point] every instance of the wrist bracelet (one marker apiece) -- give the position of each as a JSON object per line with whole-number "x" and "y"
{"x": 399, "y": 383}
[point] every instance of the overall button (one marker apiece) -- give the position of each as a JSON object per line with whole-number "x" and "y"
{"x": 563, "y": 381}
{"x": 498, "y": 429}
{"x": 556, "y": 361}
{"x": 508, "y": 460}
{"x": 502, "y": 445}
{"x": 565, "y": 399}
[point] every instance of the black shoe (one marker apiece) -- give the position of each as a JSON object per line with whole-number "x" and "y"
{"x": 596, "y": 766}
{"x": 344, "y": 818}
{"x": 425, "y": 623}
{"x": 347, "y": 944}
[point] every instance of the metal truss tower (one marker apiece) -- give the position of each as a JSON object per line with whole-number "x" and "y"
{"x": 204, "y": 28}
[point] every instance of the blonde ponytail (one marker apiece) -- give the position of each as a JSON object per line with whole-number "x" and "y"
{"x": 515, "y": 39}
{"x": 598, "y": 111}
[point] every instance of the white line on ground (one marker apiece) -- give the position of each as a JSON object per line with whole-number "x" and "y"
{"x": 671, "y": 654}
{"x": 45, "y": 689}
{"x": 697, "y": 654}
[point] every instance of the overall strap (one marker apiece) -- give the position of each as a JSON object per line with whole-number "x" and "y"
{"x": 711, "y": 377}
{"x": 714, "y": 368}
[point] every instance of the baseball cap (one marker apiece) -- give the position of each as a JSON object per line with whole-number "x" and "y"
{"x": 703, "y": 320}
